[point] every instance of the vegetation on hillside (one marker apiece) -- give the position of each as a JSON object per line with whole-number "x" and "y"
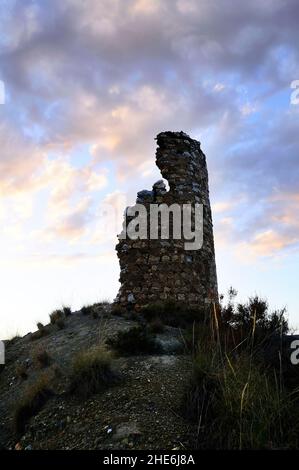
{"x": 243, "y": 392}
{"x": 240, "y": 394}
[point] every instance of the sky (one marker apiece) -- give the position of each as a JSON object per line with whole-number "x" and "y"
{"x": 88, "y": 84}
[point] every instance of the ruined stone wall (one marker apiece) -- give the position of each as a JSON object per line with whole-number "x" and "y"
{"x": 162, "y": 270}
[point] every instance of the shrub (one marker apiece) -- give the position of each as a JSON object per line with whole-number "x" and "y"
{"x": 21, "y": 371}
{"x": 137, "y": 340}
{"x": 238, "y": 400}
{"x": 253, "y": 316}
{"x": 40, "y": 333}
{"x": 41, "y": 358}
{"x": 173, "y": 313}
{"x": 92, "y": 371}
{"x": 33, "y": 399}
{"x": 55, "y": 316}
{"x": 94, "y": 309}
{"x": 87, "y": 309}
{"x": 67, "y": 311}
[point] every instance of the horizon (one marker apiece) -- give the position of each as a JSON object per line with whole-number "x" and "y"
{"x": 84, "y": 90}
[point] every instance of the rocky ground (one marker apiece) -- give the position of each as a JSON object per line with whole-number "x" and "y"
{"x": 142, "y": 411}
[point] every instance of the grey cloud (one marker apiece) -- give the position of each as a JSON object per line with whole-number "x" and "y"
{"x": 61, "y": 59}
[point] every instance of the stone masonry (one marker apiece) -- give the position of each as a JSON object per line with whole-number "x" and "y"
{"x": 162, "y": 269}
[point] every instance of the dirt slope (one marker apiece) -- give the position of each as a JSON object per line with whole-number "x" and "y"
{"x": 140, "y": 412}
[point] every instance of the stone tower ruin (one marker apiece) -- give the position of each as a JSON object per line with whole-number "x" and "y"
{"x": 162, "y": 269}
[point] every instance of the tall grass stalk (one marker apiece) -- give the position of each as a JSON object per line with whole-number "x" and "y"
{"x": 237, "y": 400}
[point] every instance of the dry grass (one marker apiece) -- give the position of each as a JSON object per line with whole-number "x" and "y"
{"x": 55, "y": 316}
{"x": 238, "y": 400}
{"x": 239, "y": 405}
{"x": 92, "y": 371}
{"x": 32, "y": 400}
{"x": 67, "y": 311}
{"x": 40, "y": 333}
{"x": 41, "y": 358}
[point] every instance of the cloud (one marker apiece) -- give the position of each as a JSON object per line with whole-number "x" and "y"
{"x": 265, "y": 243}
{"x": 112, "y": 74}
{"x": 72, "y": 224}
{"x": 19, "y": 160}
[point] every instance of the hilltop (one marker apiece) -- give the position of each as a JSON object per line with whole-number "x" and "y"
{"x": 140, "y": 411}
{"x": 167, "y": 377}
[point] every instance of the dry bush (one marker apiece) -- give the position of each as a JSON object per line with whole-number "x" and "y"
{"x": 55, "y": 316}
{"x": 92, "y": 371}
{"x": 40, "y": 333}
{"x": 31, "y": 401}
{"x": 67, "y": 311}
{"x": 41, "y": 358}
{"x": 239, "y": 399}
